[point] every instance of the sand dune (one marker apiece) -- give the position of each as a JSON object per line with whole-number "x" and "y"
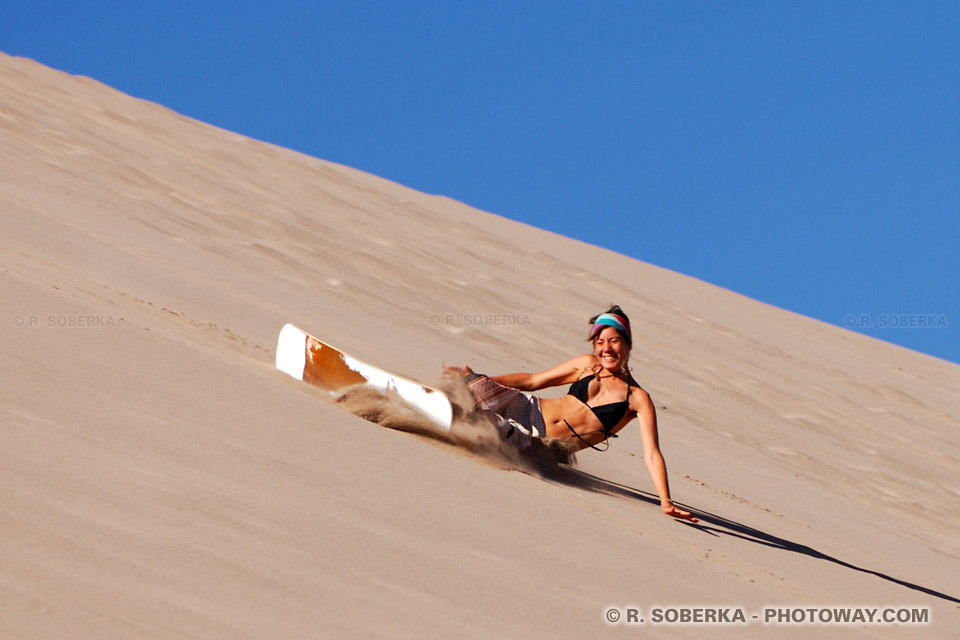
{"x": 161, "y": 479}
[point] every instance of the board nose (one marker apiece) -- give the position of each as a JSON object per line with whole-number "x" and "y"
{"x": 292, "y": 351}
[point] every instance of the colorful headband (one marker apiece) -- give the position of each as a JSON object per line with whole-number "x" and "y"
{"x": 610, "y": 320}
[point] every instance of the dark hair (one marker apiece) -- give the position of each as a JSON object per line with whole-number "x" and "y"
{"x": 617, "y": 311}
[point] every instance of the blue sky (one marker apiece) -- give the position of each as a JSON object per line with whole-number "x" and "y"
{"x": 806, "y": 154}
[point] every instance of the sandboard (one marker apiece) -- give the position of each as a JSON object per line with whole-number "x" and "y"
{"x": 311, "y": 360}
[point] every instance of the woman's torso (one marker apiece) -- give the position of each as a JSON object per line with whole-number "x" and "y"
{"x": 567, "y": 412}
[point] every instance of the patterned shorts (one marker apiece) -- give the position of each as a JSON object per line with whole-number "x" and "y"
{"x": 517, "y": 415}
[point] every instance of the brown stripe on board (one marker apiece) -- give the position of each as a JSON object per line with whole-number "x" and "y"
{"x": 326, "y": 367}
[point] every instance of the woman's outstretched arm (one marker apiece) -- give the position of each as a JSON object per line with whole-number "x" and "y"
{"x": 656, "y": 466}
{"x": 565, "y": 373}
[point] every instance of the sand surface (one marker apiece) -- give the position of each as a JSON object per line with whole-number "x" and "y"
{"x": 160, "y": 479}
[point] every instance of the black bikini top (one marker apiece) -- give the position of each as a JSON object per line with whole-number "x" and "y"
{"x": 608, "y": 414}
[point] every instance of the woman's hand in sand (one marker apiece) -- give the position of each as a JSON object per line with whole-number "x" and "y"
{"x": 674, "y": 512}
{"x": 456, "y": 373}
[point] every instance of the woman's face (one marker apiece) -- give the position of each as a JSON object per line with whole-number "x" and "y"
{"x": 611, "y": 350}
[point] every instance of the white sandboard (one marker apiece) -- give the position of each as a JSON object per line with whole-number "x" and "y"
{"x": 306, "y": 358}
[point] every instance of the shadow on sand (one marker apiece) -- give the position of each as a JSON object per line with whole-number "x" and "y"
{"x": 718, "y": 525}
{"x": 376, "y": 407}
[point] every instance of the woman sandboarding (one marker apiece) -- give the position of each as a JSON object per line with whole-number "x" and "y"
{"x": 603, "y": 398}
